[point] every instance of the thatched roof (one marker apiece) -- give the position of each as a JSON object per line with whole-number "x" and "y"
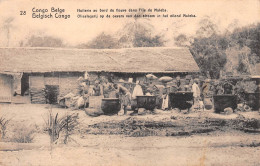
{"x": 147, "y": 60}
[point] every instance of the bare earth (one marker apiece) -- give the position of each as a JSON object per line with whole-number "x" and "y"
{"x": 220, "y": 147}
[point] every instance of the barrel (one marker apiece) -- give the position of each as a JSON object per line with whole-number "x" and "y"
{"x": 110, "y": 106}
{"x": 181, "y": 100}
{"x": 224, "y": 101}
{"x": 147, "y": 102}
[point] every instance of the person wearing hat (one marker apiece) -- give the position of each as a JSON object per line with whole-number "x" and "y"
{"x": 124, "y": 95}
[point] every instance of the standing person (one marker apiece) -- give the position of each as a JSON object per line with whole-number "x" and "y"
{"x": 196, "y": 94}
{"x": 81, "y": 86}
{"x": 138, "y": 91}
{"x": 124, "y": 95}
{"x": 165, "y": 98}
{"x": 107, "y": 87}
{"x": 206, "y": 88}
{"x": 98, "y": 90}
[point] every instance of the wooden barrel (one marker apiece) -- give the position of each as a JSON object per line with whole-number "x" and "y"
{"x": 110, "y": 106}
{"x": 147, "y": 102}
{"x": 224, "y": 101}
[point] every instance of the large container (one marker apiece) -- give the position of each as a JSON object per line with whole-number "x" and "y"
{"x": 223, "y": 101}
{"x": 182, "y": 100}
{"x": 110, "y": 106}
{"x": 95, "y": 101}
{"x": 147, "y": 102}
{"x": 252, "y": 100}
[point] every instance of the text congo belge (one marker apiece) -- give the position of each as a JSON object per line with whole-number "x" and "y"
{"x": 52, "y": 13}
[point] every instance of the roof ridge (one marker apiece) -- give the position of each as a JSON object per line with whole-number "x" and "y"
{"x": 91, "y": 49}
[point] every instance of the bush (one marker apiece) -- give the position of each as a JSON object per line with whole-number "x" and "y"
{"x": 3, "y": 126}
{"x": 55, "y": 125}
{"x": 22, "y": 134}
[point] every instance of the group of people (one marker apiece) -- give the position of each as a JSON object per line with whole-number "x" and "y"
{"x": 109, "y": 89}
{"x": 102, "y": 87}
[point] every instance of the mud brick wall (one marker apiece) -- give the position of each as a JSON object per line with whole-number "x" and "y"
{"x": 68, "y": 83}
{"x": 6, "y": 89}
{"x": 51, "y": 80}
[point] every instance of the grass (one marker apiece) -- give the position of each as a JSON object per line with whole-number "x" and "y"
{"x": 3, "y": 126}
{"x": 22, "y": 134}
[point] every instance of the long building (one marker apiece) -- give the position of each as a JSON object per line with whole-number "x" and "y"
{"x": 27, "y": 71}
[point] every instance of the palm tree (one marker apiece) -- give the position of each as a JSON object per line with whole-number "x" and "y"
{"x": 7, "y": 25}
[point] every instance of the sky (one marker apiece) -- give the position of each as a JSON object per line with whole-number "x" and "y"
{"x": 74, "y": 31}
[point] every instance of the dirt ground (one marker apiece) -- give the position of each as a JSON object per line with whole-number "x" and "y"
{"x": 104, "y": 140}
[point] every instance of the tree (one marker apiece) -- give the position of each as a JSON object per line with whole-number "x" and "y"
{"x": 182, "y": 40}
{"x": 250, "y": 37}
{"x": 140, "y": 33}
{"x": 144, "y": 39}
{"x": 102, "y": 41}
{"x": 209, "y": 55}
{"x": 44, "y": 41}
{"x": 207, "y": 28}
{"x": 7, "y": 25}
{"x": 235, "y": 52}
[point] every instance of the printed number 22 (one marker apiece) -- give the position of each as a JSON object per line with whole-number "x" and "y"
{"x": 22, "y": 12}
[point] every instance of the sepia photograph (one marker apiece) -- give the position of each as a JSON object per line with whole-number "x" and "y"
{"x": 129, "y": 83}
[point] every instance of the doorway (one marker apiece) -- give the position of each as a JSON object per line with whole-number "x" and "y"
{"x": 25, "y": 85}
{"x": 52, "y": 92}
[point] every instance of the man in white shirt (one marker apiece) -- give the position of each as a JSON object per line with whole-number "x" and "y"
{"x": 196, "y": 94}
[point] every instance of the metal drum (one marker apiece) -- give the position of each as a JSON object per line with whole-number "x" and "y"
{"x": 224, "y": 101}
{"x": 147, "y": 102}
{"x": 110, "y": 106}
{"x": 182, "y": 100}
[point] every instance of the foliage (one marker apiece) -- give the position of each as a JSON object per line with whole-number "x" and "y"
{"x": 102, "y": 41}
{"x": 55, "y": 125}
{"x": 23, "y": 134}
{"x": 209, "y": 55}
{"x": 7, "y": 26}
{"x": 3, "y": 126}
{"x": 44, "y": 41}
{"x": 207, "y": 28}
{"x": 145, "y": 40}
{"x": 246, "y": 86}
{"x": 181, "y": 40}
{"x": 236, "y": 51}
{"x": 138, "y": 33}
